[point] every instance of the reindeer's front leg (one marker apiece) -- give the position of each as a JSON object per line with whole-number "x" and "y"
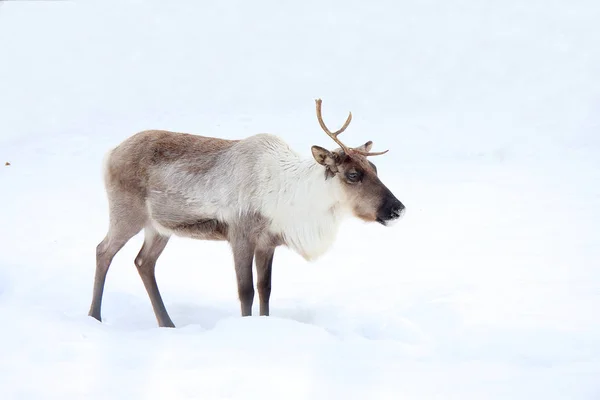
{"x": 264, "y": 264}
{"x": 243, "y": 254}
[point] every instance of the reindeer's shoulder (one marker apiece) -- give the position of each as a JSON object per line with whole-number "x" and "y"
{"x": 265, "y": 139}
{"x": 267, "y": 145}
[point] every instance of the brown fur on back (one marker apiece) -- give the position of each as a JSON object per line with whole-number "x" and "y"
{"x": 130, "y": 162}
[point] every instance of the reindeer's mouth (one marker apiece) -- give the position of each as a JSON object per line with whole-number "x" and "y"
{"x": 381, "y": 221}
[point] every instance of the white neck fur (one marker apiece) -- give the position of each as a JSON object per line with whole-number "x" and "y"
{"x": 307, "y": 209}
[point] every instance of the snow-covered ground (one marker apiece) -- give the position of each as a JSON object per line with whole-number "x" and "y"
{"x": 489, "y": 288}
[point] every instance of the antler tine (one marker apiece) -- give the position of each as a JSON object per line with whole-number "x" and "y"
{"x": 364, "y": 153}
{"x": 335, "y": 134}
{"x": 343, "y": 128}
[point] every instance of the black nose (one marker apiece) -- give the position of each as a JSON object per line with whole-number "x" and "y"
{"x": 397, "y": 209}
{"x": 391, "y": 209}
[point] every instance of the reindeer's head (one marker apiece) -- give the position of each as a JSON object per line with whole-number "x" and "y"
{"x": 368, "y": 197}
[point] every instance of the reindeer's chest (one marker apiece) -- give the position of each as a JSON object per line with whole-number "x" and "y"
{"x": 308, "y": 234}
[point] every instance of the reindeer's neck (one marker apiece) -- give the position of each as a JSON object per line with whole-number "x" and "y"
{"x": 308, "y": 208}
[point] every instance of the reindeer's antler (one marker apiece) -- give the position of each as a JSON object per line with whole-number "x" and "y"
{"x": 334, "y": 135}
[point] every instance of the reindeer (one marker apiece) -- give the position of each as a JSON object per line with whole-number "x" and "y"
{"x": 255, "y": 193}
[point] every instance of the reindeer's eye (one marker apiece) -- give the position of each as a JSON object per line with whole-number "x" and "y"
{"x": 353, "y": 176}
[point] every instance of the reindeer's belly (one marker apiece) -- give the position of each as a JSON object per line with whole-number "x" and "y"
{"x": 203, "y": 229}
{"x": 170, "y": 214}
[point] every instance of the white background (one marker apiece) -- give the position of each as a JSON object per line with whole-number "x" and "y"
{"x": 489, "y": 288}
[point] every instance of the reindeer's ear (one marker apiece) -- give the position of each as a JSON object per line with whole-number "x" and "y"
{"x": 323, "y": 156}
{"x": 365, "y": 147}
{"x": 326, "y": 158}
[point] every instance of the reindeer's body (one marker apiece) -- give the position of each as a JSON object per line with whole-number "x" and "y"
{"x": 255, "y": 193}
{"x": 205, "y": 188}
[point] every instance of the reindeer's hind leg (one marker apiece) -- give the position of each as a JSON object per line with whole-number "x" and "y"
{"x": 154, "y": 244}
{"x": 127, "y": 218}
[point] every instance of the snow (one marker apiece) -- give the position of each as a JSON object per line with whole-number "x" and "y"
{"x": 488, "y": 288}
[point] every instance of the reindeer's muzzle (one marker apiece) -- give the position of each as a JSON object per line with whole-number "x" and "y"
{"x": 391, "y": 209}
